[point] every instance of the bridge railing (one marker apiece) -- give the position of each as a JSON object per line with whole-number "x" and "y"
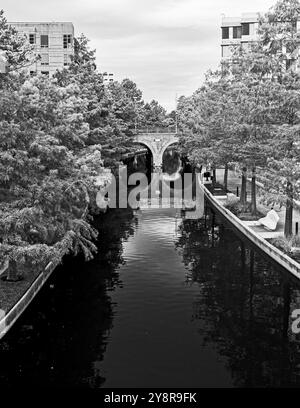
{"x": 157, "y": 129}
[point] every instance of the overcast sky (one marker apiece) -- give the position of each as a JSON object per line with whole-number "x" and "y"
{"x": 165, "y": 46}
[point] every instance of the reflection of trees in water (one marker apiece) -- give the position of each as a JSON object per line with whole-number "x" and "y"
{"x": 244, "y": 305}
{"x": 114, "y": 227}
{"x": 62, "y": 337}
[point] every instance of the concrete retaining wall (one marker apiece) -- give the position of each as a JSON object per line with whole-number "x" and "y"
{"x": 278, "y": 256}
{"x": 7, "y": 320}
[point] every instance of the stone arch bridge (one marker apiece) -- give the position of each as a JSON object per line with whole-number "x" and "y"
{"x": 157, "y": 143}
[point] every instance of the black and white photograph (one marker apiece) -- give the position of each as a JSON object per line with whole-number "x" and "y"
{"x": 149, "y": 197}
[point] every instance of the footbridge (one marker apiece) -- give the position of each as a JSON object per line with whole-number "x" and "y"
{"x": 157, "y": 143}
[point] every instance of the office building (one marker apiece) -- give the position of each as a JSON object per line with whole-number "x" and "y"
{"x": 244, "y": 30}
{"x": 238, "y": 30}
{"x": 53, "y": 42}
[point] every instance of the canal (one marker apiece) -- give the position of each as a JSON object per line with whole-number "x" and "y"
{"x": 167, "y": 302}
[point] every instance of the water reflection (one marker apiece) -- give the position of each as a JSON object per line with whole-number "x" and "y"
{"x": 167, "y": 302}
{"x": 245, "y": 305}
{"x": 63, "y": 335}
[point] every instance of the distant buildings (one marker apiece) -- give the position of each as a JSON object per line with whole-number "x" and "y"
{"x": 243, "y": 30}
{"x": 107, "y": 78}
{"x": 54, "y": 42}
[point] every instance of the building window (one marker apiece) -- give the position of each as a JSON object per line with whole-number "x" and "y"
{"x": 245, "y": 29}
{"x": 289, "y": 63}
{"x": 44, "y": 41}
{"x": 32, "y": 38}
{"x": 67, "y": 42}
{"x": 294, "y": 26}
{"x": 45, "y": 59}
{"x": 67, "y": 59}
{"x": 225, "y": 33}
{"x": 45, "y": 73}
{"x": 226, "y": 51}
{"x": 237, "y": 32}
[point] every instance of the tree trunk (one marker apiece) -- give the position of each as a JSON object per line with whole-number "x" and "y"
{"x": 253, "y": 191}
{"x": 214, "y": 180}
{"x": 12, "y": 274}
{"x": 226, "y": 177}
{"x": 243, "y": 198}
{"x": 288, "y": 225}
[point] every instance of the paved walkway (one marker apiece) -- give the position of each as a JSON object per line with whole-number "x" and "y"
{"x": 234, "y": 181}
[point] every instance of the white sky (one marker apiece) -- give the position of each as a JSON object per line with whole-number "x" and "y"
{"x": 165, "y": 46}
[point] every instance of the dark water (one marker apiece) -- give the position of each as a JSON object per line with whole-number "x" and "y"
{"x": 167, "y": 302}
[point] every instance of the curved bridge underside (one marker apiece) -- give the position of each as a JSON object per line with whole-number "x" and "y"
{"x": 157, "y": 144}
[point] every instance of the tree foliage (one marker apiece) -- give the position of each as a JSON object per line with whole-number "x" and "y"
{"x": 58, "y": 137}
{"x": 248, "y": 111}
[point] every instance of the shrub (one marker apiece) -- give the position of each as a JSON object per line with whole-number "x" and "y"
{"x": 233, "y": 204}
{"x": 283, "y": 244}
{"x": 295, "y": 241}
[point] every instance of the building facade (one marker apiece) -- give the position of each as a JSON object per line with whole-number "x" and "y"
{"x": 107, "y": 78}
{"x": 53, "y": 42}
{"x": 244, "y": 30}
{"x": 238, "y": 30}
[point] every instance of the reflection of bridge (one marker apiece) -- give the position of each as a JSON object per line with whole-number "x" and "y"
{"x": 157, "y": 143}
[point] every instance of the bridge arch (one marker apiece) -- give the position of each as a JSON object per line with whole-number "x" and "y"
{"x": 157, "y": 143}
